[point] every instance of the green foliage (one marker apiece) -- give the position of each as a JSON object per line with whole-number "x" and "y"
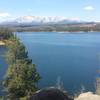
{"x": 21, "y": 77}
{"x": 24, "y": 98}
{"x": 16, "y": 50}
{"x": 5, "y": 33}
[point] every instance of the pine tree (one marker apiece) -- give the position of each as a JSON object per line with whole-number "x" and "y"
{"x": 22, "y": 76}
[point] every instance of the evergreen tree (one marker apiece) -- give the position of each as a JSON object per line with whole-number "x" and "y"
{"x": 21, "y": 77}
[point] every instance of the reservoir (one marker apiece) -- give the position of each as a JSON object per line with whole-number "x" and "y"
{"x": 3, "y": 66}
{"x": 72, "y": 58}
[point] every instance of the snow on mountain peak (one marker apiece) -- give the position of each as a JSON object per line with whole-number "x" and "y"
{"x": 40, "y": 20}
{"x": 43, "y": 19}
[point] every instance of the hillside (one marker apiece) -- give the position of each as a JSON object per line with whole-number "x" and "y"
{"x": 35, "y": 23}
{"x": 75, "y": 27}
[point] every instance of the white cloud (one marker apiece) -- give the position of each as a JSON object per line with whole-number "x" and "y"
{"x": 3, "y": 14}
{"x": 74, "y": 19}
{"x": 89, "y": 8}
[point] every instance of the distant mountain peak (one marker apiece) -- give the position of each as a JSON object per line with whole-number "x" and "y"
{"x": 44, "y": 19}
{"x": 41, "y": 20}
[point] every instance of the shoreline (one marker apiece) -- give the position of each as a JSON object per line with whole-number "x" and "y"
{"x": 60, "y": 31}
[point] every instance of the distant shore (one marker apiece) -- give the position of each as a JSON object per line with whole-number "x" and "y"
{"x": 57, "y": 31}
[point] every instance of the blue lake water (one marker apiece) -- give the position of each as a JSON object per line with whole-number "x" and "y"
{"x": 3, "y": 66}
{"x": 74, "y": 57}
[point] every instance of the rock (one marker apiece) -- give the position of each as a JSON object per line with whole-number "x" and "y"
{"x": 88, "y": 96}
{"x": 2, "y": 43}
{"x": 50, "y": 94}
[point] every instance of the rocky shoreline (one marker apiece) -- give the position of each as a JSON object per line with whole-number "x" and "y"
{"x": 57, "y": 94}
{"x": 88, "y": 96}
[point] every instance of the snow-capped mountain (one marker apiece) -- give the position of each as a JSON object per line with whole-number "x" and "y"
{"x": 30, "y": 19}
{"x": 41, "y": 20}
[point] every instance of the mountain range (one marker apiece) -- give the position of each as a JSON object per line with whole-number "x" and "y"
{"x": 35, "y": 23}
{"x": 40, "y": 20}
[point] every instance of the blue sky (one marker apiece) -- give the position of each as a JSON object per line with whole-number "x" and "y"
{"x": 86, "y": 10}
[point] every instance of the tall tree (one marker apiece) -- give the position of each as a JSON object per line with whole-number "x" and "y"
{"x": 22, "y": 76}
